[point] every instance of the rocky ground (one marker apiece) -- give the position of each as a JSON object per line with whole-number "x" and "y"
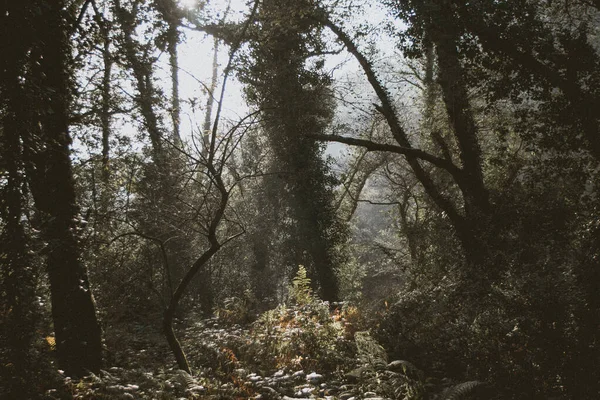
{"x": 231, "y": 361}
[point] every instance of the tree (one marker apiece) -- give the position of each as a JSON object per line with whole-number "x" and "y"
{"x": 294, "y": 101}
{"x": 467, "y": 218}
{"x": 157, "y": 210}
{"x": 19, "y": 271}
{"x": 43, "y": 129}
{"x": 216, "y": 199}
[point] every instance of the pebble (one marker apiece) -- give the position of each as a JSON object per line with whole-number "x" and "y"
{"x": 298, "y": 374}
{"x": 314, "y": 377}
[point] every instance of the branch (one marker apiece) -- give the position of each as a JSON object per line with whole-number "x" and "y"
{"x": 374, "y": 203}
{"x": 162, "y": 250}
{"x": 80, "y": 16}
{"x": 390, "y": 148}
{"x": 234, "y": 48}
{"x": 398, "y": 132}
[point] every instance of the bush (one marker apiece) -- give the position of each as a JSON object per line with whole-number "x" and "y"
{"x": 303, "y": 335}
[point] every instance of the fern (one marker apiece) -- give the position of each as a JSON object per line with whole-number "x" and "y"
{"x": 186, "y": 379}
{"x": 300, "y": 290}
{"x": 369, "y": 351}
{"x": 471, "y": 390}
{"x": 406, "y": 368}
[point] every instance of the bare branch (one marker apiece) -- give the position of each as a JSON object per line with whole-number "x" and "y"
{"x": 406, "y": 151}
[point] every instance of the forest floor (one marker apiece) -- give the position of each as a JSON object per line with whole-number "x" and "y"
{"x": 300, "y": 352}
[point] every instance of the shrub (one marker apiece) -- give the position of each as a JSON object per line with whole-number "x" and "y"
{"x": 303, "y": 335}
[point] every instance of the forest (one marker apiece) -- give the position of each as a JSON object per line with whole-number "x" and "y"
{"x": 300, "y": 199}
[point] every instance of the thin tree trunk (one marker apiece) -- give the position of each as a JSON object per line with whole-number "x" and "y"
{"x": 430, "y": 101}
{"x": 170, "y": 14}
{"x": 169, "y": 313}
{"x": 408, "y": 227}
{"x": 105, "y": 105}
{"x": 215, "y": 221}
{"x": 210, "y": 101}
{"x": 173, "y": 39}
{"x": 388, "y": 111}
{"x": 142, "y": 72}
{"x": 460, "y": 112}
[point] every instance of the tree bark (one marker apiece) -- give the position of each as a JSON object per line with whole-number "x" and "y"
{"x": 78, "y": 334}
{"x": 19, "y": 274}
{"x": 105, "y": 103}
{"x": 169, "y": 12}
{"x": 210, "y": 100}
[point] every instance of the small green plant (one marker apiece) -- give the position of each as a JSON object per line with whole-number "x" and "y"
{"x": 300, "y": 292}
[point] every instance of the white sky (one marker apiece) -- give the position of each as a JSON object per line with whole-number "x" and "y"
{"x": 195, "y": 62}
{"x": 195, "y": 58}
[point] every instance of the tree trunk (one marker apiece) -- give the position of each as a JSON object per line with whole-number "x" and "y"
{"x": 19, "y": 275}
{"x": 210, "y": 100}
{"x": 78, "y": 334}
{"x": 295, "y": 105}
{"x": 105, "y": 106}
{"x": 169, "y": 314}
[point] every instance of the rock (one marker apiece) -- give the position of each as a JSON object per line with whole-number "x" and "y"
{"x": 115, "y": 389}
{"x": 131, "y": 388}
{"x": 314, "y": 377}
{"x": 306, "y": 390}
{"x": 346, "y": 396}
{"x": 298, "y": 374}
{"x": 279, "y": 373}
{"x": 197, "y": 389}
{"x": 106, "y": 377}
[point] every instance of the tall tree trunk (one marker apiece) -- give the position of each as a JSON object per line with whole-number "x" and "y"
{"x": 173, "y": 39}
{"x": 295, "y": 104}
{"x": 210, "y": 101}
{"x": 78, "y": 334}
{"x": 431, "y": 98}
{"x": 456, "y": 100}
{"x": 105, "y": 103}
{"x": 19, "y": 277}
{"x": 170, "y": 13}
